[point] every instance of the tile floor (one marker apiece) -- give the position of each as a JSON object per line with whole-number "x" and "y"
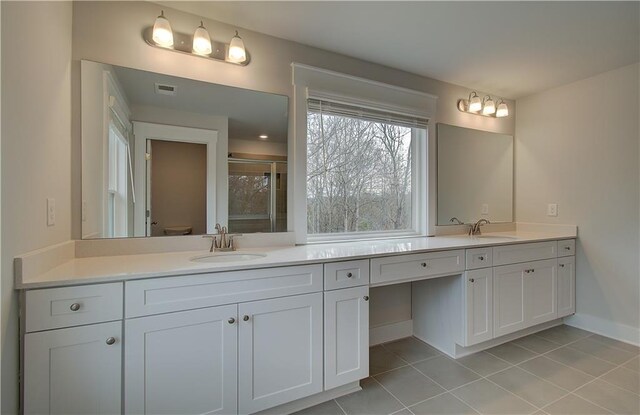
{"x": 562, "y": 370}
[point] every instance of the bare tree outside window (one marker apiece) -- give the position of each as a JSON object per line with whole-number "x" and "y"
{"x": 358, "y": 175}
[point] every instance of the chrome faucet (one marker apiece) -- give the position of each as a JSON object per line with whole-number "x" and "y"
{"x": 221, "y": 241}
{"x": 456, "y": 221}
{"x": 474, "y": 229}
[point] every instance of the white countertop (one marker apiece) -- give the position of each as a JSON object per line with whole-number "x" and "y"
{"x": 126, "y": 267}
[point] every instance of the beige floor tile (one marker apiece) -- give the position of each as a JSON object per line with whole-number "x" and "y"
{"x": 409, "y": 385}
{"x": 633, "y": 364}
{"x": 616, "y": 343}
{"x": 446, "y": 372}
{"x": 382, "y": 360}
{"x": 487, "y": 398}
{"x": 610, "y": 397}
{"x": 325, "y": 408}
{"x": 411, "y": 349}
{"x": 563, "y": 334}
{"x": 527, "y": 386}
{"x": 371, "y": 400}
{"x": 483, "y": 363}
{"x": 536, "y": 344}
{"x": 603, "y": 351}
{"x": 625, "y": 378}
{"x": 581, "y": 361}
{"x": 445, "y": 404}
{"x": 574, "y": 405}
{"x": 556, "y": 373}
{"x": 511, "y": 353}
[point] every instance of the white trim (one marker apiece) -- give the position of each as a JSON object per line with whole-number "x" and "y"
{"x": 308, "y": 80}
{"x": 143, "y": 131}
{"x": 390, "y": 332}
{"x": 608, "y": 328}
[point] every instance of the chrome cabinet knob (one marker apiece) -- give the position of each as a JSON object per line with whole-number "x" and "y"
{"x": 110, "y": 340}
{"x": 245, "y": 318}
{"x": 481, "y": 258}
{"x": 472, "y": 280}
{"x": 75, "y": 307}
{"x": 567, "y": 248}
{"x": 349, "y": 275}
{"x": 365, "y": 298}
{"x": 561, "y": 265}
{"x": 231, "y": 320}
{"x": 423, "y": 265}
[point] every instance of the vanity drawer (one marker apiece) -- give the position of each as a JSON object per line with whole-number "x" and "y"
{"x": 512, "y": 254}
{"x": 479, "y": 258}
{"x": 54, "y": 308}
{"x": 164, "y": 295}
{"x": 346, "y": 274}
{"x": 567, "y": 247}
{"x": 416, "y": 266}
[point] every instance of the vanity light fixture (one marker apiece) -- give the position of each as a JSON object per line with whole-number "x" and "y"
{"x": 201, "y": 41}
{"x": 160, "y": 35}
{"x": 485, "y": 107}
{"x": 488, "y": 106}
{"x": 263, "y": 137}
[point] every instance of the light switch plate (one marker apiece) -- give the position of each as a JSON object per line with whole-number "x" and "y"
{"x": 51, "y": 212}
{"x": 485, "y": 209}
{"x": 552, "y": 209}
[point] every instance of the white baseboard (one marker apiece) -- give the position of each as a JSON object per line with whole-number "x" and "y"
{"x": 313, "y": 400}
{"x": 622, "y": 332}
{"x": 390, "y": 332}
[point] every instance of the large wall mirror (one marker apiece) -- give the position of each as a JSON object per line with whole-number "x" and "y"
{"x": 475, "y": 175}
{"x": 163, "y": 155}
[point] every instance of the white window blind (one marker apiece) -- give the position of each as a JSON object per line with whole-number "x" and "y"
{"x": 363, "y": 113}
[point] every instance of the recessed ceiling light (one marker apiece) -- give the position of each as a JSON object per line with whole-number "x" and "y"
{"x": 263, "y": 136}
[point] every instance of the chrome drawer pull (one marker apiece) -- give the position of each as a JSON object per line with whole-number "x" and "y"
{"x": 349, "y": 275}
{"x": 472, "y": 280}
{"x": 110, "y": 340}
{"x": 365, "y": 298}
{"x": 245, "y": 318}
{"x": 75, "y": 307}
{"x": 567, "y": 248}
{"x": 231, "y": 320}
{"x": 423, "y": 265}
{"x": 561, "y": 265}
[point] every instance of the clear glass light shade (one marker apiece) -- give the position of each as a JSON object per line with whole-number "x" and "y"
{"x": 489, "y": 107}
{"x": 201, "y": 41}
{"x": 502, "y": 110}
{"x": 162, "y": 33}
{"x": 236, "y": 50}
{"x": 475, "y": 104}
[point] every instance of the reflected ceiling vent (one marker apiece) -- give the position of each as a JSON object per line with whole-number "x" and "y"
{"x": 164, "y": 89}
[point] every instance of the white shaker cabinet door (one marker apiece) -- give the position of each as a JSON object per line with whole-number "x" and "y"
{"x": 280, "y": 351}
{"x": 566, "y": 286}
{"x": 74, "y": 371}
{"x": 346, "y": 336}
{"x": 182, "y": 363}
{"x": 478, "y": 306}
{"x": 508, "y": 299}
{"x": 540, "y": 289}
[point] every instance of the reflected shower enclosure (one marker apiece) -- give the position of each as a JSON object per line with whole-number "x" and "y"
{"x": 257, "y": 201}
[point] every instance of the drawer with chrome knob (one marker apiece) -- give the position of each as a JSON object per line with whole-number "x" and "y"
{"x": 345, "y": 274}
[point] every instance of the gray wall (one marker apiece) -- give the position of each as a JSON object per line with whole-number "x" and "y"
{"x": 36, "y": 149}
{"x": 578, "y": 146}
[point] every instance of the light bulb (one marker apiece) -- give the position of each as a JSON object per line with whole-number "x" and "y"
{"x": 503, "y": 110}
{"x": 237, "y": 53}
{"x": 201, "y": 41}
{"x": 489, "y": 106}
{"x": 474, "y": 102}
{"x": 162, "y": 33}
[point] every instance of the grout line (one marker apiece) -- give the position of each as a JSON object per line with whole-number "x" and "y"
{"x": 394, "y": 396}
{"x": 340, "y": 406}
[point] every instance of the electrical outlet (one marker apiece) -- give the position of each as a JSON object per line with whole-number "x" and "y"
{"x": 51, "y": 212}
{"x": 552, "y": 209}
{"x": 485, "y": 209}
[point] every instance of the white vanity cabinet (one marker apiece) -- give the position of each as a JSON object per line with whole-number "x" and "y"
{"x": 280, "y": 351}
{"x": 566, "y": 286}
{"x": 478, "y": 304}
{"x": 184, "y": 362}
{"x": 524, "y": 295}
{"x": 74, "y": 370}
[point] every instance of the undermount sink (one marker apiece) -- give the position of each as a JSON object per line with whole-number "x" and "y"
{"x": 227, "y": 257}
{"x": 495, "y": 237}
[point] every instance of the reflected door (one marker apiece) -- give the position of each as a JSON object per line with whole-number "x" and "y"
{"x": 257, "y": 201}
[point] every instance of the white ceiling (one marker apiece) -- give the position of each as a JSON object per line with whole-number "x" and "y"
{"x": 511, "y": 49}
{"x": 250, "y": 113}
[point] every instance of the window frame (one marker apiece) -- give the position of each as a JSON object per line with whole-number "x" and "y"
{"x": 317, "y": 83}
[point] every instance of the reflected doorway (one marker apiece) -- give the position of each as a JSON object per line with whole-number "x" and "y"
{"x": 257, "y": 196}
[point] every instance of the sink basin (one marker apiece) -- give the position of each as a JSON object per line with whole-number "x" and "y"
{"x": 495, "y": 237}
{"x": 226, "y": 257}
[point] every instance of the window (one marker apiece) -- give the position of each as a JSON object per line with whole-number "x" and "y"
{"x": 117, "y": 197}
{"x": 362, "y": 171}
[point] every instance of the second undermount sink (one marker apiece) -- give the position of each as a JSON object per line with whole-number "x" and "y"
{"x": 217, "y": 257}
